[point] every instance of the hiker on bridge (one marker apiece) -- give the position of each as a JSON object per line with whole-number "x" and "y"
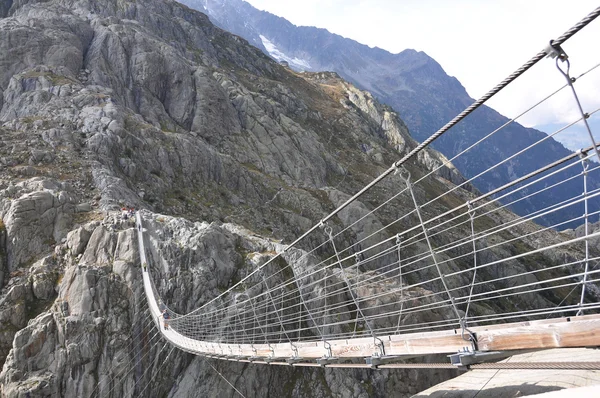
{"x": 166, "y": 317}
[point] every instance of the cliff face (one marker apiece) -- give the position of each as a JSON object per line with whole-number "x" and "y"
{"x": 146, "y": 104}
{"x": 414, "y": 85}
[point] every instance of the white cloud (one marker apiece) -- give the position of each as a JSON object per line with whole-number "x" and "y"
{"x": 479, "y": 42}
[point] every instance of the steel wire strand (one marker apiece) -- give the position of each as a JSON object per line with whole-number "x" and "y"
{"x": 519, "y": 220}
{"x": 485, "y": 265}
{"x": 386, "y": 293}
{"x": 514, "y": 223}
{"x": 468, "y": 241}
{"x": 454, "y": 322}
{"x": 449, "y": 212}
{"x": 128, "y": 348}
{"x": 506, "y": 315}
{"x": 227, "y": 381}
{"x": 367, "y": 298}
{"x": 458, "y": 118}
{"x": 460, "y": 299}
{"x": 501, "y": 243}
{"x": 464, "y": 299}
{"x": 445, "y": 164}
{"x": 484, "y": 234}
{"x": 141, "y": 394}
{"x": 150, "y": 368}
{"x": 496, "y": 294}
{"x": 479, "y": 319}
{"x": 395, "y": 291}
{"x": 534, "y": 313}
{"x": 482, "y": 196}
{"x": 436, "y": 325}
{"x": 367, "y": 260}
{"x": 568, "y": 242}
{"x": 361, "y": 299}
{"x": 461, "y": 215}
{"x": 121, "y": 374}
{"x": 469, "y": 110}
{"x": 458, "y": 208}
{"x": 516, "y": 154}
{"x": 499, "y": 208}
{"x": 435, "y": 305}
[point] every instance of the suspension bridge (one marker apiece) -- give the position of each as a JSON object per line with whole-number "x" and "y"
{"x": 454, "y": 273}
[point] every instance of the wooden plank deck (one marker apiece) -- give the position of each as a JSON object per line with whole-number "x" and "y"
{"x": 583, "y": 331}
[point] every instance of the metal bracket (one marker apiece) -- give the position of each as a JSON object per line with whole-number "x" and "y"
{"x": 381, "y": 347}
{"x": 466, "y": 358}
{"x": 273, "y": 359}
{"x": 295, "y": 349}
{"x": 375, "y": 361}
{"x": 555, "y": 51}
{"x": 292, "y": 361}
{"x": 328, "y": 357}
{"x": 327, "y": 346}
{"x": 327, "y": 360}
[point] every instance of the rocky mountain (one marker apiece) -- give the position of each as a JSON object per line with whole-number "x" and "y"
{"x": 146, "y": 104}
{"x": 415, "y": 86}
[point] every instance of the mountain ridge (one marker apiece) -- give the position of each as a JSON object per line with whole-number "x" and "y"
{"x": 109, "y": 104}
{"x": 417, "y": 87}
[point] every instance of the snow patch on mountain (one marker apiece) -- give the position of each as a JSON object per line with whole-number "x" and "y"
{"x": 280, "y": 56}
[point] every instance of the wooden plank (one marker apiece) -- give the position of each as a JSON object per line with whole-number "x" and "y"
{"x": 581, "y": 331}
{"x": 428, "y": 345}
{"x": 575, "y": 333}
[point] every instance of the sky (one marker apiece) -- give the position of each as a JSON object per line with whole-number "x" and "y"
{"x": 480, "y": 42}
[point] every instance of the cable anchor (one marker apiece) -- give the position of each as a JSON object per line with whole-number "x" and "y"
{"x": 472, "y": 337}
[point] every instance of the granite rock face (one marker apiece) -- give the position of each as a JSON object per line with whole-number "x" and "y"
{"x": 111, "y": 104}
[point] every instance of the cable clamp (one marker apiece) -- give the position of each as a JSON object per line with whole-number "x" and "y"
{"x": 403, "y": 172}
{"x": 357, "y": 258}
{"x": 555, "y": 51}
{"x": 329, "y": 353}
{"x": 295, "y": 350}
{"x": 472, "y": 337}
{"x": 470, "y": 209}
{"x": 272, "y": 354}
{"x": 379, "y": 345}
